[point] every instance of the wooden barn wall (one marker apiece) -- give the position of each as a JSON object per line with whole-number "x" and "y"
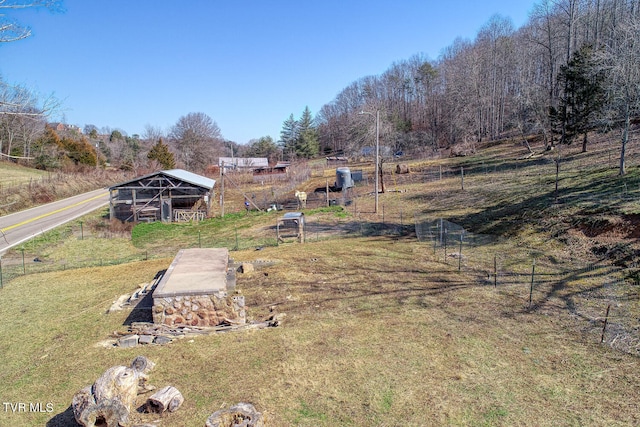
{"x": 147, "y": 201}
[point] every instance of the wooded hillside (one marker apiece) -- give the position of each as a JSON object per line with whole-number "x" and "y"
{"x": 571, "y": 69}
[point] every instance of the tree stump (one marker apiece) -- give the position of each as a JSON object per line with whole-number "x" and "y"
{"x": 109, "y": 400}
{"x": 166, "y": 399}
{"x": 240, "y": 415}
{"x": 142, "y": 365}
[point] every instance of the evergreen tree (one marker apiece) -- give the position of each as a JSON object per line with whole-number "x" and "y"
{"x": 263, "y": 147}
{"x": 288, "y": 137}
{"x": 160, "y": 153}
{"x": 307, "y": 143}
{"x": 47, "y": 150}
{"x": 584, "y": 96}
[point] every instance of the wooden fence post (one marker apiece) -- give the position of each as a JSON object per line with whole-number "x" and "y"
{"x": 606, "y": 320}
{"x": 445, "y": 245}
{"x": 533, "y": 272}
{"x": 460, "y": 254}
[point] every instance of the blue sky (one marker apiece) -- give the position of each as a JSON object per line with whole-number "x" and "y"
{"x": 247, "y": 64}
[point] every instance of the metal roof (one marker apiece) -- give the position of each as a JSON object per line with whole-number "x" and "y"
{"x": 293, "y": 215}
{"x": 191, "y": 177}
{"x": 181, "y": 174}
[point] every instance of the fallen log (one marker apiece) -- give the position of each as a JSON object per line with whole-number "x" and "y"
{"x": 242, "y": 414}
{"x": 167, "y": 398}
{"x": 142, "y": 365}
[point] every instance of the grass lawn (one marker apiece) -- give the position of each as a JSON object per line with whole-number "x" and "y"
{"x": 376, "y": 333}
{"x": 380, "y": 329}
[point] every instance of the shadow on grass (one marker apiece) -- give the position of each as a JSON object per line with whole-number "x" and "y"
{"x": 505, "y": 218}
{"x": 63, "y": 419}
{"x": 142, "y": 311}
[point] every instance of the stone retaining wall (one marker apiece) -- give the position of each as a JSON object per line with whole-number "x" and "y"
{"x": 200, "y": 310}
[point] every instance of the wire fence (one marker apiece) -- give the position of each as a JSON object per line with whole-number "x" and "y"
{"x": 591, "y": 291}
{"x": 595, "y": 292}
{"x": 30, "y": 258}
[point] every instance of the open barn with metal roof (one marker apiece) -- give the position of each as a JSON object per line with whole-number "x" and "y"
{"x": 171, "y": 196}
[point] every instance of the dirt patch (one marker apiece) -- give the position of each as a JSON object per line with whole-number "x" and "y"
{"x": 618, "y": 227}
{"x": 614, "y": 238}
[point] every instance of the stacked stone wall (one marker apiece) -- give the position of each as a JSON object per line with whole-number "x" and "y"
{"x": 199, "y": 310}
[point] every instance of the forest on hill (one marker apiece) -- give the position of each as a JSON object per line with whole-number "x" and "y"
{"x": 571, "y": 69}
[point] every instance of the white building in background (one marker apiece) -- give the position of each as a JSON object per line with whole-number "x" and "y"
{"x": 243, "y": 163}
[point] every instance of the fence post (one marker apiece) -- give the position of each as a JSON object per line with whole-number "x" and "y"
{"x": 237, "y": 247}
{"x": 606, "y": 320}
{"x": 533, "y": 272}
{"x": 495, "y": 270}
{"x": 24, "y": 267}
{"x": 81, "y": 231}
{"x": 327, "y": 192}
{"x": 1, "y": 273}
{"x": 460, "y": 254}
{"x": 435, "y": 244}
{"x": 462, "y": 176}
{"x": 445, "y": 245}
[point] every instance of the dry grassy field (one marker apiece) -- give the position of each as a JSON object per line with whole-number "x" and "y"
{"x": 381, "y": 328}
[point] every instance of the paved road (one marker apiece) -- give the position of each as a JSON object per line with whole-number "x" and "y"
{"x": 22, "y": 226}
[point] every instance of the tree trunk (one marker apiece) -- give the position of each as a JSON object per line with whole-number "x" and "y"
{"x": 109, "y": 400}
{"x": 381, "y": 176}
{"x": 584, "y": 143}
{"x": 625, "y": 138}
{"x": 165, "y": 399}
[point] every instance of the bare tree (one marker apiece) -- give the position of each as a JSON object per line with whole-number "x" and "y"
{"x": 197, "y": 141}
{"x": 152, "y": 134}
{"x": 503, "y": 81}
{"x": 623, "y": 56}
{"x": 12, "y": 30}
{"x": 22, "y": 116}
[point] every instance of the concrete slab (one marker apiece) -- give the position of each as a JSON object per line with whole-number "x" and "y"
{"x": 195, "y": 272}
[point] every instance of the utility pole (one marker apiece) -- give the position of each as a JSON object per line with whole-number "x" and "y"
{"x": 377, "y": 116}
{"x": 222, "y": 190}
